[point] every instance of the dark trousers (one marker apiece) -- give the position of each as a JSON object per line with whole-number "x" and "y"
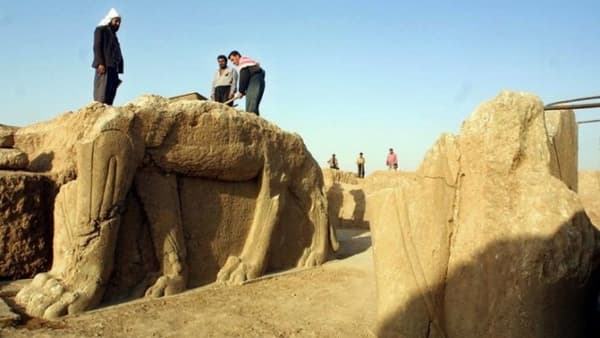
{"x": 105, "y": 86}
{"x": 222, "y": 94}
{"x": 361, "y": 170}
{"x": 256, "y": 88}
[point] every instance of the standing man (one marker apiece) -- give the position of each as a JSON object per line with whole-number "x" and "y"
{"x": 360, "y": 162}
{"x": 224, "y": 83}
{"x": 392, "y": 160}
{"x": 333, "y": 163}
{"x": 252, "y": 80}
{"x": 108, "y": 60}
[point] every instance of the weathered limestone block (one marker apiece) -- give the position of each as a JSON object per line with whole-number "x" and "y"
{"x": 589, "y": 192}
{"x": 411, "y": 229}
{"x": 13, "y": 159}
{"x": 523, "y": 245}
{"x": 485, "y": 240}
{"x": 215, "y": 188}
{"x": 7, "y": 139}
{"x": 561, "y": 127}
{"x": 25, "y": 223}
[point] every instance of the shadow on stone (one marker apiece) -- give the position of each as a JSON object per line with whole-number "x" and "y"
{"x": 335, "y": 201}
{"x": 495, "y": 296}
{"x": 42, "y": 163}
{"x": 352, "y": 242}
{"x": 358, "y": 214}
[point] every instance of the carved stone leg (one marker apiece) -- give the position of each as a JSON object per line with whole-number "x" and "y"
{"x": 251, "y": 262}
{"x": 160, "y": 197}
{"x": 324, "y": 238}
{"x": 87, "y": 217}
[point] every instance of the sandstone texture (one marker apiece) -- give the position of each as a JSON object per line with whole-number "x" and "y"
{"x": 589, "y": 192}
{"x": 25, "y": 223}
{"x": 161, "y": 195}
{"x": 561, "y": 128}
{"x": 488, "y": 238}
{"x": 13, "y": 159}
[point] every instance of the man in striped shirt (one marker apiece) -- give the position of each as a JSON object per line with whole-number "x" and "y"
{"x": 251, "y": 82}
{"x": 224, "y": 83}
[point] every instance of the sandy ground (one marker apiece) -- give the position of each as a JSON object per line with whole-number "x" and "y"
{"x": 334, "y": 300}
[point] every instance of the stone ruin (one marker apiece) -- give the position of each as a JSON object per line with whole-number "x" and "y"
{"x": 152, "y": 198}
{"x": 493, "y": 235}
{"x": 489, "y": 237}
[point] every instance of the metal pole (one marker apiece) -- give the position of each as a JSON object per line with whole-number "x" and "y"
{"x": 574, "y": 100}
{"x": 560, "y": 105}
{"x": 572, "y": 106}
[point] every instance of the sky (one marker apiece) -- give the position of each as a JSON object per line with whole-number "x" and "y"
{"x": 348, "y": 77}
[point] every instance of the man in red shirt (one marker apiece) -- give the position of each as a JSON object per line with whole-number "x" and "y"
{"x": 392, "y": 160}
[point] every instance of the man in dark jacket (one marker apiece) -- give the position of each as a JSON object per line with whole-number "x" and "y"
{"x": 108, "y": 60}
{"x": 251, "y": 81}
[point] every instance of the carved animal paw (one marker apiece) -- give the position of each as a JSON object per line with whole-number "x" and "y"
{"x": 47, "y": 297}
{"x": 167, "y": 285}
{"x": 311, "y": 258}
{"x": 235, "y": 271}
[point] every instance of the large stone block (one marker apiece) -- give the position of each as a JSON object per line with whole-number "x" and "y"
{"x": 561, "y": 127}
{"x": 488, "y": 239}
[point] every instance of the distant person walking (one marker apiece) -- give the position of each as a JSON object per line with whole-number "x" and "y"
{"x": 224, "y": 83}
{"x": 108, "y": 60}
{"x": 333, "y": 162}
{"x": 392, "y": 160}
{"x": 360, "y": 162}
{"x": 251, "y": 81}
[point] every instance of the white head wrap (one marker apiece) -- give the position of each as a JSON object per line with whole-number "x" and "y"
{"x": 112, "y": 13}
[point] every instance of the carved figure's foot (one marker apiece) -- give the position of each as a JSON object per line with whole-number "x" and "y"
{"x": 47, "y": 297}
{"x": 311, "y": 258}
{"x": 167, "y": 285}
{"x": 235, "y": 271}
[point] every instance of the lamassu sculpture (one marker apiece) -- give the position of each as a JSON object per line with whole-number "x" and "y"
{"x": 152, "y": 149}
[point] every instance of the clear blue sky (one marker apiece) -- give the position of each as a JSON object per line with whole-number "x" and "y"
{"x": 347, "y": 76}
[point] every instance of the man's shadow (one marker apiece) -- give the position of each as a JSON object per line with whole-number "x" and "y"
{"x": 349, "y": 231}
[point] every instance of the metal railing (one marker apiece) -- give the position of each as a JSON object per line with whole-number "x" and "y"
{"x": 568, "y": 104}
